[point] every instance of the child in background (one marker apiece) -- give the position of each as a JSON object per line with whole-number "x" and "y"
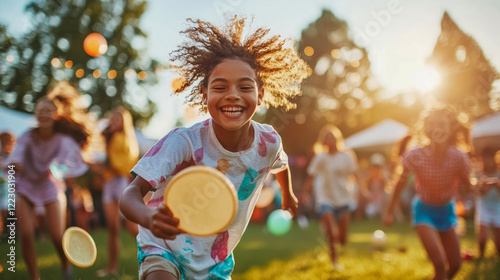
{"x": 488, "y": 201}
{"x": 230, "y": 75}
{"x": 331, "y": 169}
{"x": 438, "y": 167}
{"x": 57, "y": 141}
{"x": 68, "y": 99}
{"x": 375, "y": 182}
{"x": 7, "y": 143}
{"x": 122, "y": 152}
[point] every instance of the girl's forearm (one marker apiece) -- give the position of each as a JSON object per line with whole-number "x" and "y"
{"x": 133, "y": 208}
{"x": 284, "y": 180}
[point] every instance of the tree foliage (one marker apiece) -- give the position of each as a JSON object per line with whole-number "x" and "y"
{"x": 53, "y": 51}
{"x": 339, "y": 90}
{"x": 466, "y": 74}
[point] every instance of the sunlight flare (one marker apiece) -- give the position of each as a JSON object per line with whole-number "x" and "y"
{"x": 426, "y": 79}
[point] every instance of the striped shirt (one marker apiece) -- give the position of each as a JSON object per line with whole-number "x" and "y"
{"x": 436, "y": 182}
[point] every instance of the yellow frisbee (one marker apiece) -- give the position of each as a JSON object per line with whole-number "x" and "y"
{"x": 203, "y": 199}
{"x": 79, "y": 247}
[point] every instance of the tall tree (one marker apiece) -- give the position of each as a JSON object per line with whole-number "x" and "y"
{"x": 466, "y": 74}
{"x": 6, "y": 42}
{"x": 339, "y": 90}
{"x": 53, "y": 50}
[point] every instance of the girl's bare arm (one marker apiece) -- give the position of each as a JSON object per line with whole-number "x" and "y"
{"x": 159, "y": 220}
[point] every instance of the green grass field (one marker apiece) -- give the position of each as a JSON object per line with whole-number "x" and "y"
{"x": 300, "y": 254}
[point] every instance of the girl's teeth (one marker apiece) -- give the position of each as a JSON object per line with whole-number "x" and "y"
{"x": 231, "y": 113}
{"x": 232, "y": 109}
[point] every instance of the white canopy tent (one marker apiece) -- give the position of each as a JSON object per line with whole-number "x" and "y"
{"x": 382, "y": 136}
{"x": 487, "y": 126}
{"x": 486, "y": 132}
{"x": 378, "y": 138}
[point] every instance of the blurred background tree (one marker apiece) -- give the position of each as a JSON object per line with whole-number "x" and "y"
{"x": 340, "y": 90}
{"x": 53, "y": 51}
{"x": 6, "y": 42}
{"x": 466, "y": 75}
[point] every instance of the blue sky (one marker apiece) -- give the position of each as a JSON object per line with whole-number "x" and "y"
{"x": 398, "y": 34}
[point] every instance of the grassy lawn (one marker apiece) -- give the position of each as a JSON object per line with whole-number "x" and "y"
{"x": 300, "y": 254}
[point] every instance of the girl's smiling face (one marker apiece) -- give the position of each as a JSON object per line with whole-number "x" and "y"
{"x": 45, "y": 114}
{"x": 437, "y": 128}
{"x": 232, "y": 94}
{"x": 331, "y": 142}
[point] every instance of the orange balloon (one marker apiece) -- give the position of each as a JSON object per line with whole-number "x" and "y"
{"x": 95, "y": 44}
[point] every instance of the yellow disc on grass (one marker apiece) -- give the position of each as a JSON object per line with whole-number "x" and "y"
{"x": 79, "y": 247}
{"x": 203, "y": 199}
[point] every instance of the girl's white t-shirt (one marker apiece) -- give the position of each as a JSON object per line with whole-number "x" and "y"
{"x": 331, "y": 172}
{"x": 207, "y": 257}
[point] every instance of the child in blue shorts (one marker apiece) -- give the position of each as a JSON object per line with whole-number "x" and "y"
{"x": 439, "y": 165}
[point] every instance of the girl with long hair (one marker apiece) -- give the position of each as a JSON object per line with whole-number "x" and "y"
{"x": 122, "y": 152}
{"x": 439, "y": 165}
{"x": 46, "y": 158}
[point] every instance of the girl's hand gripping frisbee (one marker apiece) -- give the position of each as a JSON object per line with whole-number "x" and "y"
{"x": 79, "y": 247}
{"x": 203, "y": 199}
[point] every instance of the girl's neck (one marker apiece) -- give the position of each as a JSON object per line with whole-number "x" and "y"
{"x": 439, "y": 150}
{"x": 45, "y": 133}
{"x": 332, "y": 151}
{"x": 235, "y": 141}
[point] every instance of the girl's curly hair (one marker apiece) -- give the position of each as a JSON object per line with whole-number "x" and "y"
{"x": 278, "y": 68}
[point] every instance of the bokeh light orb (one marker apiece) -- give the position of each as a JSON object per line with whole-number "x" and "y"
{"x": 460, "y": 208}
{"x": 95, "y": 44}
{"x": 266, "y": 197}
{"x": 279, "y": 222}
{"x": 309, "y": 51}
